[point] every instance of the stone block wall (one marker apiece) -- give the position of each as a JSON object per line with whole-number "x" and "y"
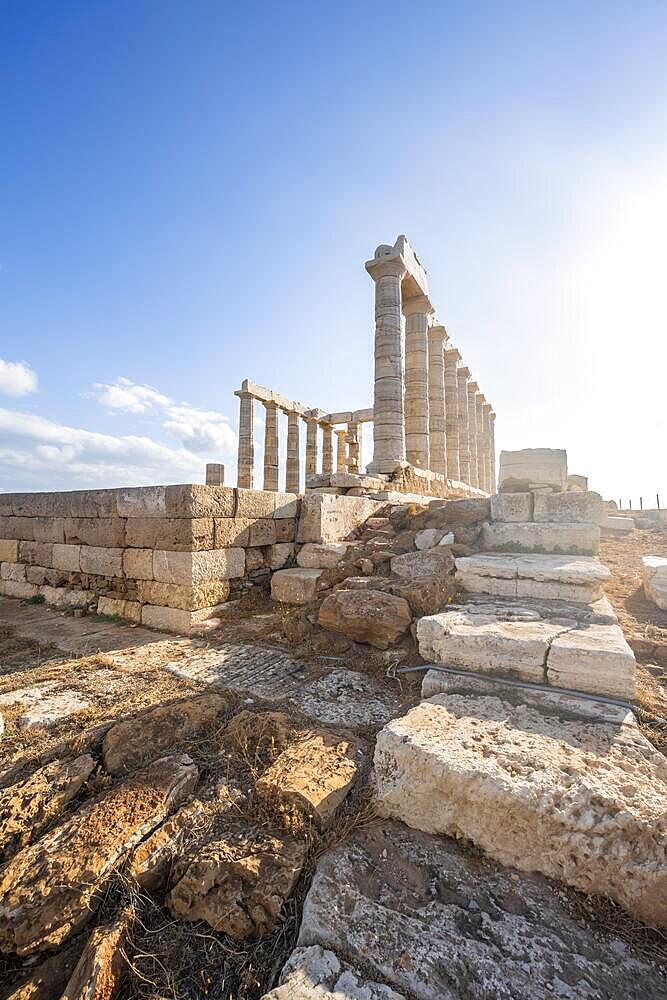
{"x": 164, "y": 556}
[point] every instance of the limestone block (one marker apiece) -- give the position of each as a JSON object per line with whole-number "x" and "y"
{"x": 654, "y": 575}
{"x": 48, "y": 529}
{"x": 370, "y": 616}
{"x": 35, "y": 553}
{"x": 327, "y": 518}
{"x": 181, "y": 534}
{"x": 9, "y": 550}
{"x": 18, "y": 528}
{"x": 195, "y": 567}
{"x": 262, "y": 531}
{"x": 436, "y": 921}
{"x": 437, "y": 562}
{"x": 255, "y": 503}
{"x": 128, "y": 610}
{"x": 312, "y": 776}
{"x": 448, "y": 539}
{"x": 13, "y": 571}
{"x": 295, "y": 586}
{"x": 138, "y": 564}
{"x": 142, "y": 501}
{"x": 569, "y": 508}
{"x": 349, "y": 480}
{"x": 428, "y": 538}
{"x": 67, "y": 558}
{"x": 593, "y": 658}
{"x": 64, "y": 597}
{"x": 195, "y": 500}
{"x": 454, "y": 764}
{"x": 286, "y": 505}
{"x": 101, "y": 562}
{"x": 317, "y": 974}
{"x": 577, "y": 483}
{"x": 285, "y": 529}
{"x": 567, "y": 578}
{"x": 582, "y": 539}
{"x": 106, "y": 532}
{"x": 322, "y": 556}
{"x": 41, "y": 575}
{"x": 622, "y": 525}
{"x": 190, "y": 597}
{"x": 479, "y": 642}
{"x": 512, "y": 507}
{"x": 175, "y": 619}
{"x": 541, "y": 466}
{"x": 280, "y": 554}
{"x": 232, "y": 531}
{"x": 254, "y": 559}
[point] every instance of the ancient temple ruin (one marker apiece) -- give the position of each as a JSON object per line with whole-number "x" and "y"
{"x": 428, "y": 413}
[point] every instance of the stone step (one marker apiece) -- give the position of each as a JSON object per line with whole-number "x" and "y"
{"x": 558, "y": 577}
{"x": 295, "y": 586}
{"x": 574, "y": 538}
{"x": 530, "y": 646}
{"x": 580, "y": 801}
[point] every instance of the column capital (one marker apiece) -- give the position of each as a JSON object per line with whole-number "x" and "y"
{"x": 452, "y": 354}
{"x": 244, "y": 394}
{"x": 487, "y": 408}
{"x": 437, "y": 329}
{"x": 463, "y": 372}
{"x": 382, "y": 266}
{"x": 418, "y": 305}
{"x": 481, "y": 398}
{"x": 473, "y": 387}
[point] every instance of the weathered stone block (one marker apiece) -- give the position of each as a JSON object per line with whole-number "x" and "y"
{"x": 129, "y": 610}
{"x": 580, "y": 539}
{"x": 654, "y": 575}
{"x": 142, "y": 501}
{"x": 431, "y": 562}
{"x": 567, "y": 578}
{"x": 262, "y": 531}
{"x": 9, "y": 550}
{"x": 194, "y": 567}
{"x": 174, "y": 619}
{"x": 322, "y": 556}
{"x": 48, "y": 529}
{"x": 594, "y": 658}
{"x": 66, "y": 558}
{"x": 370, "y": 616}
{"x": 255, "y": 503}
{"x": 254, "y": 559}
{"x": 295, "y": 586}
{"x": 138, "y": 564}
{"x": 100, "y": 561}
{"x": 287, "y": 505}
{"x": 13, "y": 571}
{"x": 17, "y": 528}
{"x": 327, "y": 518}
{"x": 512, "y": 507}
{"x": 179, "y": 534}
{"x": 195, "y": 500}
{"x": 232, "y": 531}
{"x": 105, "y": 532}
{"x": 190, "y": 597}
{"x": 43, "y": 575}
{"x": 35, "y": 553}
{"x": 285, "y": 529}
{"x": 17, "y": 588}
{"x": 569, "y": 508}
{"x": 539, "y": 466}
{"x": 280, "y": 554}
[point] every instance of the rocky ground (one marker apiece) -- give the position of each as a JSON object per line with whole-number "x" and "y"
{"x": 166, "y": 804}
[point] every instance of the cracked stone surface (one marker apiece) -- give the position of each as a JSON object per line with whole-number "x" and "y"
{"x": 346, "y": 698}
{"x": 317, "y": 974}
{"x": 437, "y": 921}
{"x": 559, "y": 577}
{"x": 249, "y": 669}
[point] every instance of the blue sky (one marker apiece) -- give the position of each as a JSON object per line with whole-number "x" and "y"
{"x": 189, "y": 191}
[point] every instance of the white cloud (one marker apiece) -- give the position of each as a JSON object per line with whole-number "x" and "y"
{"x": 17, "y": 378}
{"x": 127, "y": 396}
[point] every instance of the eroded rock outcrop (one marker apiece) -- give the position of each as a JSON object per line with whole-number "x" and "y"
{"x": 102, "y": 968}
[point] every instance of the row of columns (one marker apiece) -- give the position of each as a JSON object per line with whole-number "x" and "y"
{"x": 347, "y": 454}
{"x": 430, "y": 414}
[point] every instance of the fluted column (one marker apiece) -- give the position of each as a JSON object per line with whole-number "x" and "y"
{"x": 482, "y": 459}
{"x": 271, "y": 447}
{"x": 452, "y": 358}
{"x": 417, "y": 311}
{"x": 293, "y": 472}
{"x": 473, "y": 389}
{"x": 327, "y": 448}
{"x": 492, "y": 450}
{"x": 388, "y": 413}
{"x": 462, "y": 376}
{"x": 245, "y": 471}
{"x": 341, "y": 451}
{"x": 311, "y": 446}
{"x": 437, "y": 434}
{"x": 488, "y": 474}
{"x": 353, "y": 450}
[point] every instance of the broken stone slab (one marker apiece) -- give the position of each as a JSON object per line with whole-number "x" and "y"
{"x": 428, "y": 538}
{"x": 312, "y": 776}
{"x": 29, "y": 806}
{"x": 570, "y": 539}
{"x": 512, "y": 507}
{"x": 239, "y": 883}
{"x": 295, "y": 586}
{"x": 322, "y": 556}
{"x": 50, "y": 890}
{"x": 565, "y": 578}
{"x": 247, "y": 668}
{"x": 102, "y": 968}
{"x": 346, "y": 698}
{"x": 158, "y": 729}
{"x": 370, "y": 616}
{"x": 594, "y": 658}
{"x": 583, "y": 802}
{"x": 620, "y": 525}
{"x": 432, "y": 562}
{"x": 538, "y": 466}
{"x": 317, "y": 974}
{"x": 569, "y": 508}
{"x": 44, "y": 704}
{"x": 437, "y": 921}
{"x": 654, "y": 576}
{"x": 426, "y": 595}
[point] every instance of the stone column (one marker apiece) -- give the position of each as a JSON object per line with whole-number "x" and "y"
{"x": 327, "y": 448}
{"x": 245, "y": 472}
{"x": 462, "y": 376}
{"x": 452, "y": 358}
{"x": 488, "y": 474}
{"x": 482, "y": 458}
{"x": 417, "y": 311}
{"x": 492, "y": 451}
{"x": 215, "y": 474}
{"x": 388, "y": 414}
{"x": 353, "y": 448}
{"x": 311, "y": 447}
{"x": 473, "y": 389}
{"x": 271, "y": 447}
{"x": 293, "y": 472}
{"x": 341, "y": 451}
{"x": 437, "y": 427}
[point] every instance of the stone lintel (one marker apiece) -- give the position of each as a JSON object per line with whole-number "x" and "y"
{"x": 349, "y": 417}
{"x": 265, "y": 395}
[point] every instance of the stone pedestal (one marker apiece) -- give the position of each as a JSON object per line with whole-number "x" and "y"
{"x": 452, "y": 416}
{"x": 292, "y": 479}
{"x": 417, "y": 311}
{"x": 215, "y": 474}
{"x": 437, "y": 337}
{"x": 462, "y": 376}
{"x": 246, "y": 455}
{"x": 311, "y": 446}
{"x": 341, "y": 451}
{"x": 271, "y": 447}
{"x": 327, "y": 448}
{"x": 388, "y": 423}
{"x": 482, "y": 455}
{"x": 473, "y": 389}
{"x": 353, "y": 439}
